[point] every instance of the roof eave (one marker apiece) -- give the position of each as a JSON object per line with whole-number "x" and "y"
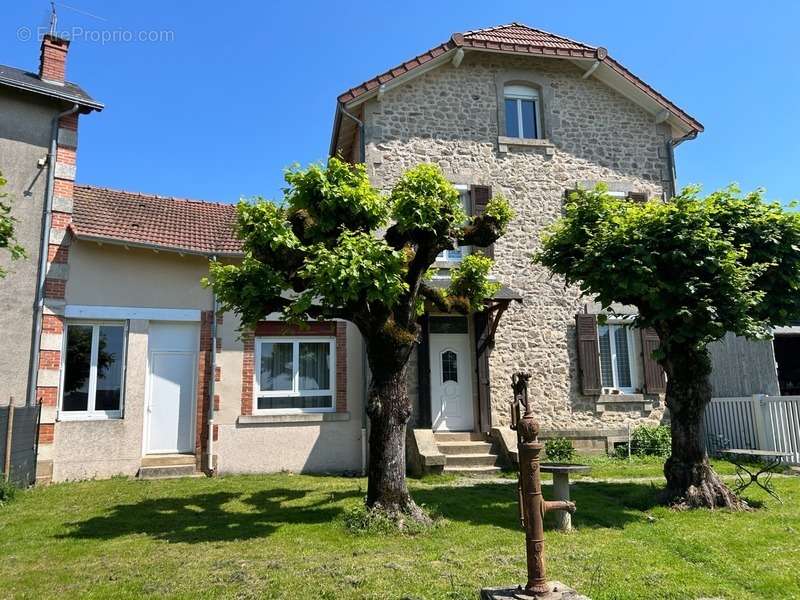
{"x": 101, "y": 239}
{"x": 83, "y": 102}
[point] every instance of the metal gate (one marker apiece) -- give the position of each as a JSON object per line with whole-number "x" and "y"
{"x": 19, "y": 432}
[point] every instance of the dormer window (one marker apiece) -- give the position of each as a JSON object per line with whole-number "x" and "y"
{"x": 522, "y": 112}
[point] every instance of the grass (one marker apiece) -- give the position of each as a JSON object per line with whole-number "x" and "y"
{"x": 284, "y": 536}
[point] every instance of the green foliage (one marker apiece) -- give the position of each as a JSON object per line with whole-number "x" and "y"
{"x": 245, "y": 288}
{"x": 262, "y": 224}
{"x": 7, "y": 492}
{"x": 500, "y": 210}
{"x": 358, "y": 266}
{"x": 424, "y": 201}
{"x": 336, "y": 196}
{"x": 470, "y": 280}
{"x": 649, "y": 440}
{"x": 695, "y": 267}
{"x": 7, "y": 235}
{"x": 559, "y": 450}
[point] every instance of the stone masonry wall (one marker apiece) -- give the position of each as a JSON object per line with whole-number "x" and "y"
{"x": 449, "y": 116}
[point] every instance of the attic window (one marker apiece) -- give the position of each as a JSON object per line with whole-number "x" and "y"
{"x": 522, "y": 112}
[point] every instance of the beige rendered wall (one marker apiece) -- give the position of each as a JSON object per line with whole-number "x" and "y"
{"x": 110, "y": 275}
{"x": 300, "y": 446}
{"x": 449, "y": 116}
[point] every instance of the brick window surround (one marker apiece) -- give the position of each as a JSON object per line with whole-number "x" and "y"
{"x": 338, "y": 329}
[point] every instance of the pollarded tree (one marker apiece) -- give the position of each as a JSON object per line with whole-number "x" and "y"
{"x": 338, "y": 248}
{"x": 695, "y": 268}
{"x": 7, "y": 239}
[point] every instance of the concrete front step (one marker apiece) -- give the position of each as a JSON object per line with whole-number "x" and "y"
{"x": 458, "y": 436}
{"x": 168, "y": 472}
{"x": 450, "y": 448}
{"x": 473, "y": 471}
{"x": 458, "y": 461}
{"x": 168, "y": 460}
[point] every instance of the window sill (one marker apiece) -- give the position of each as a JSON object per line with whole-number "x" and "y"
{"x": 87, "y": 418}
{"x": 503, "y": 143}
{"x": 319, "y": 417}
{"x": 612, "y": 399}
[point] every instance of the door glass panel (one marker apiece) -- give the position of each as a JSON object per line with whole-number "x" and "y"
{"x": 276, "y": 366}
{"x": 109, "y": 368}
{"x": 448, "y": 325}
{"x": 315, "y": 371}
{"x": 623, "y": 363}
{"x": 605, "y": 356}
{"x": 77, "y": 368}
{"x": 449, "y": 366}
{"x": 512, "y": 123}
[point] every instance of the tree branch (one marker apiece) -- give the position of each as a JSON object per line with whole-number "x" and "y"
{"x": 483, "y": 231}
{"x": 443, "y": 302}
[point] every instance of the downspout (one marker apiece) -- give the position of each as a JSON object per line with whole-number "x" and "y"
{"x": 671, "y": 145}
{"x": 33, "y": 371}
{"x": 212, "y": 381}
{"x": 362, "y": 146}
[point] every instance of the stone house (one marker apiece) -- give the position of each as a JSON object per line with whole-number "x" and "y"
{"x": 137, "y": 372}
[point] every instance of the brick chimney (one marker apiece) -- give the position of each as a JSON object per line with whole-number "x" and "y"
{"x": 53, "y": 60}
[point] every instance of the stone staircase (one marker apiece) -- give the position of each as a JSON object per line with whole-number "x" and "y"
{"x": 470, "y": 454}
{"x": 168, "y": 466}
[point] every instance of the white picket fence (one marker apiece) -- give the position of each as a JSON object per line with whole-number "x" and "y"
{"x": 758, "y": 422}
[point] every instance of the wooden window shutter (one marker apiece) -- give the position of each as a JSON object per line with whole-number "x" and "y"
{"x": 480, "y": 195}
{"x": 654, "y": 380}
{"x": 637, "y": 196}
{"x": 588, "y": 354}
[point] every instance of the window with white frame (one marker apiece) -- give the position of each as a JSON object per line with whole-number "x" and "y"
{"x": 522, "y": 107}
{"x": 93, "y": 370}
{"x": 455, "y": 255}
{"x": 294, "y": 374}
{"x": 618, "y": 365}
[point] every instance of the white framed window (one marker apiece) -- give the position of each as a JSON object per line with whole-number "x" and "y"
{"x": 618, "y": 365}
{"x": 294, "y": 375}
{"x": 92, "y": 370}
{"x": 522, "y": 107}
{"x": 455, "y": 255}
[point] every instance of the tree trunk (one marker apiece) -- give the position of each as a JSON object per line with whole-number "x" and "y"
{"x": 389, "y": 409}
{"x": 691, "y": 482}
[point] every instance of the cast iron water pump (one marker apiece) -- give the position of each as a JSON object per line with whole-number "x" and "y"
{"x": 532, "y": 506}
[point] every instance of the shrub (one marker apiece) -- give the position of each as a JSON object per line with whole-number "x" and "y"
{"x": 361, "y": 520}
{"x": 559, "y": 449}
{"x": 647, "y": 440}
{"x": 7, "y": 492}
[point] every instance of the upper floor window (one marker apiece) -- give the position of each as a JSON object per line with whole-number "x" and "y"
{"x": 522, "y": 112}
{"x": 456, "y": 254}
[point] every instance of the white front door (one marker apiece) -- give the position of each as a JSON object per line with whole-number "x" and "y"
{"x": 451, "y": 382}
{"x": 171, "y": 388}
{"x": 171, "y": 401}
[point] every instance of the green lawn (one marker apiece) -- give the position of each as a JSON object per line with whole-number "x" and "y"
{"x": 283, "y": 536}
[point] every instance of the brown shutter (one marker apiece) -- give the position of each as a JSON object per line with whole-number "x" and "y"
{"x": 480, "y": 195}
{"x": 637, "y": 196}
{"x": 483, "y": 325}
{"x": 588, "y": 353}
{"x": 424, "y": 374}
{"x": 654, "y": 380}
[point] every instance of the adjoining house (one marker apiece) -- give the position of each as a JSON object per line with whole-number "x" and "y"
{"x": 137, "y": 372}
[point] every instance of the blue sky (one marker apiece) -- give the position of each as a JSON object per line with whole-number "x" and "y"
{"x": 243, "y": 89}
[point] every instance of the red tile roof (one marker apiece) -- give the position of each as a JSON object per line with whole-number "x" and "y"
{"x": 191, "y": 226}
{"x": 517, "y": 38}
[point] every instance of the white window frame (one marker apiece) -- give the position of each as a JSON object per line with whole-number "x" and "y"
{"x": 517, "y": 93}
{"x": 446, "y": 256}
{"x": 91, "y": 414}
{"x": 295, "y": 392}
{"x": 633, "y": 362}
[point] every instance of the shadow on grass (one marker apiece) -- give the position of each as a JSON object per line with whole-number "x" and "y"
{"x": 598, "y": 504}
{"x": 211, "y": 517}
